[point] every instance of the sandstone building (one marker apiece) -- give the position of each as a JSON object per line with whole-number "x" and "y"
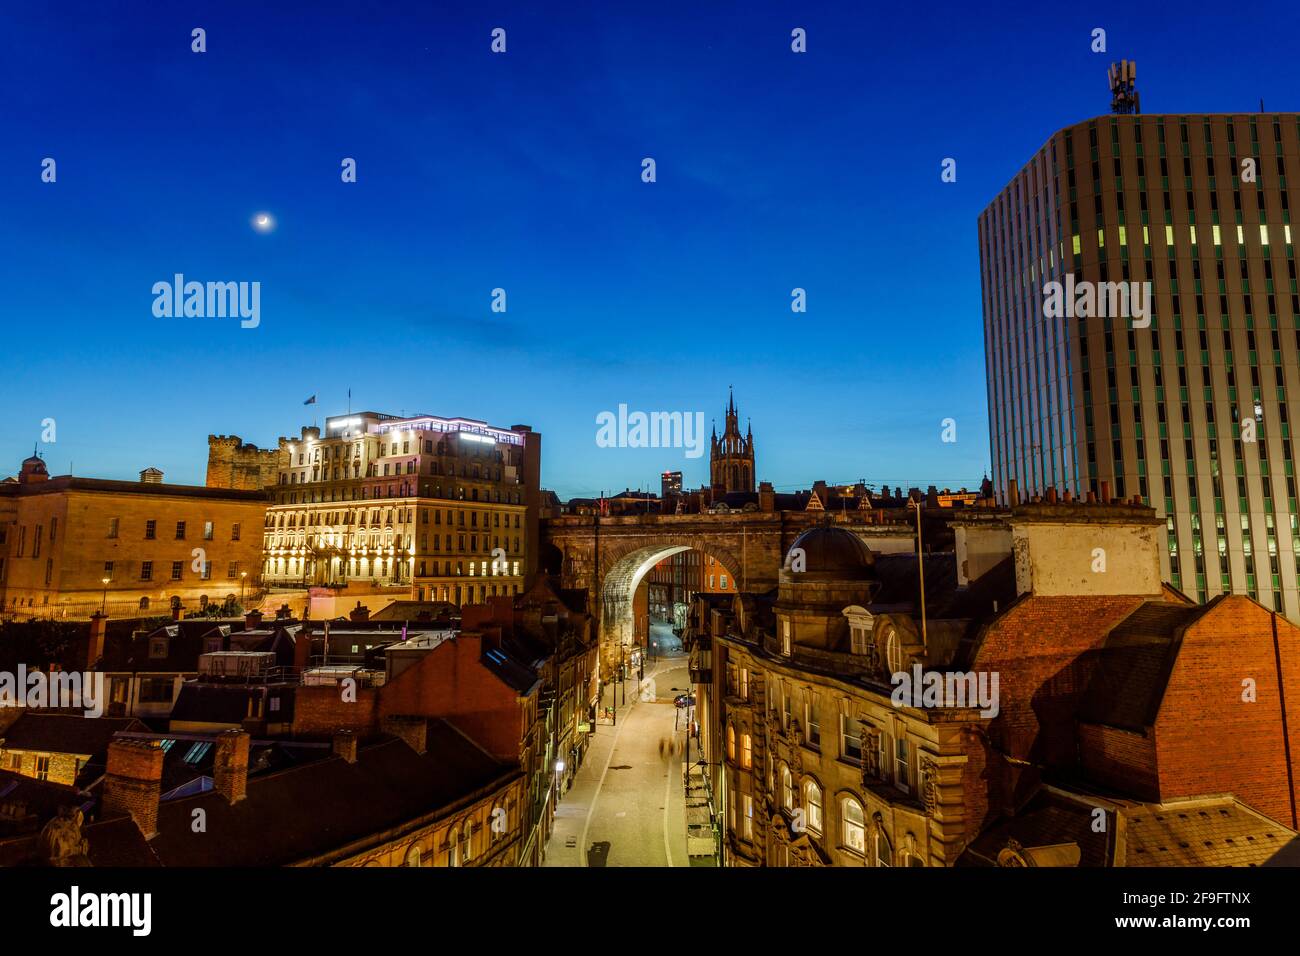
{"x": 70, "y": 546}
{"x": 433, "y": 508}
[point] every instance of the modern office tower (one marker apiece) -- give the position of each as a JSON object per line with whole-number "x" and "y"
{"x": 1191, "y": 405}
{"x": 670, "y": 484}
{"x": 447, "y": 507}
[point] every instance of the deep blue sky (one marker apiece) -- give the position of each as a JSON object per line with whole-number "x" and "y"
{"x": 522, "y": 171}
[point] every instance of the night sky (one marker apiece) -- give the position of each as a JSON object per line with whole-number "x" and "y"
{"x": 522, "y": 171}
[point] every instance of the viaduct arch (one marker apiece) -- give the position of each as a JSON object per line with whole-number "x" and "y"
{"x": 609, "y": 557}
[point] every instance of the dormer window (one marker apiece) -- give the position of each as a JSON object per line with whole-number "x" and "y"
{"x": 157, "y": 648}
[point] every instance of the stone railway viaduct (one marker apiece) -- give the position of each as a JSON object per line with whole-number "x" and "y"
{"x": 609, "y": 556}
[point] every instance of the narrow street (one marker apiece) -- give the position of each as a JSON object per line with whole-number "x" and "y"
{"x": 626, "y": 806}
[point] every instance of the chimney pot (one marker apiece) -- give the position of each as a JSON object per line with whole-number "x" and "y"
{"x": 412, "y": 730}
{"x": 345, "y": 745}
{"x": 133, "y": 782}
{"x": 230, "y": 767}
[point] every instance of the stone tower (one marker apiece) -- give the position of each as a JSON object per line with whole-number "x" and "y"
{"x": 233, "y": 463}
{"x": 731, "y": 458}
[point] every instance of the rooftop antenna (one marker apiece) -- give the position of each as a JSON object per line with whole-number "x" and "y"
{"x": 1124, "y": 97}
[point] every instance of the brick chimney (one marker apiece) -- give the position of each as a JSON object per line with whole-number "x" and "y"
{"x": 230, "y": 768}
{"x": 253, "y": 619}
{"x": 413, "y": 730}
{"x": 359, "y": 613}
{"x": 95, "y": 640}
{"x": 345, "y": 745}
{"x": 133, "y": 782}
{"x": 766, "y": 497}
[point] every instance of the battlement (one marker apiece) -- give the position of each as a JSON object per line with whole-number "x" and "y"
{"x": 232, "y": 463}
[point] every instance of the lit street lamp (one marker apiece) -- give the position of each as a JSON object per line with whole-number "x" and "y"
{"x": 104, "y": 603}
{"x": 243, "y": 578}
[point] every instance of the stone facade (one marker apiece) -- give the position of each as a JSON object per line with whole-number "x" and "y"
{"x": 232, "y": 463}
{"x": 61, "y": 537}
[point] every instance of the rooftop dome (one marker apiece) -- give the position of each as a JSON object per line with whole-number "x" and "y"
{"x": 830, "y": 553}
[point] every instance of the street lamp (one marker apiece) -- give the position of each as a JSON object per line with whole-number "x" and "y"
{"x": 243, "y": 578}
{"x": 104, "y": 603}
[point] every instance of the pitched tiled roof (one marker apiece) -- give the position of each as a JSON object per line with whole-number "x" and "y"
{"x": 1219, "y": 831}
{"x": 66, "y": 733}
{"x": 1204, "y": 831}
{"x": 304, "y": 812}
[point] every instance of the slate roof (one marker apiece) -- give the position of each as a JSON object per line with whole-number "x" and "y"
{"x": 186, "y": 640}
{"x": 1216, "y": 830}
{"x": 292, "y": 815}
{"x": 66, "y": 733}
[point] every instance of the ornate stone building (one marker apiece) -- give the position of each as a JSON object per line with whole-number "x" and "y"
{"x": 1043, "y": 705}
{"x": 445, "y": 509}
{"x": 731, "y": 458}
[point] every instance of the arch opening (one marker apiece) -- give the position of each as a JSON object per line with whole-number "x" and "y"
{"x": 644, "y": 594}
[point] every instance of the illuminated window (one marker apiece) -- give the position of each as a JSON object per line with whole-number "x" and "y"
{"x": 1218, "y": 239}
{"x": 746, "y": 751}
{"x": 812, "y": 801}
{"x": 854, "y": 835}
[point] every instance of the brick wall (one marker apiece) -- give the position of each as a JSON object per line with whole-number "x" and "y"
{"x": 1122, "y": 759}
{"x": 1210, "y": 740}
{"x": 320, "y": 711}
{"x": 451, "y": 682}
{"x": 133, "y": 783}
{"x": 1043, "y": 650}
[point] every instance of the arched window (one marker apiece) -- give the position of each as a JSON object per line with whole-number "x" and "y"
{"x": 413, "y": 856}
{"x": 882, "y": 851}
{"x": 731, "y": 742}
{"x": 453, "y": 847}
{"x": 787, "y": 788}
{"x": 812, "y": 804}
{"x": 746, "y": 751}
{"x": 893, "y": 651}
{"x": 854, "y": 826}
{"x": 144, "y": 604}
